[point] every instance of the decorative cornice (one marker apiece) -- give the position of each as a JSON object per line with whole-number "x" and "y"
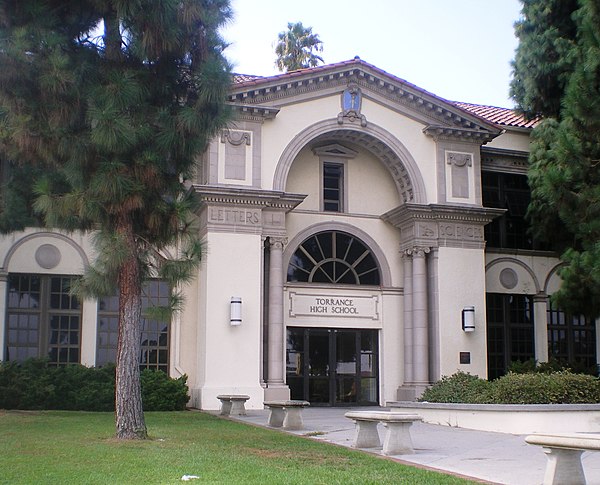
{"x": 499, "y": 160}
{"x": 244, "y": 211}
{"x": 440, "y": 132}
{"x": 438, "y": 212}
{"x": 254, "y": 112}
{"x": 372, "y": 81}
{"x": 210, "y": 194}
{"x": 436, "y": 225}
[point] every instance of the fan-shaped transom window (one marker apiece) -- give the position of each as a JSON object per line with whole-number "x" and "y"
{"x": 336, "y": 258}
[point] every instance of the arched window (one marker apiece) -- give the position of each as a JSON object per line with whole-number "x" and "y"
{"x": 333, "y": 257}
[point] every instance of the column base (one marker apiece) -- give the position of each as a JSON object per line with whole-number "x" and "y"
{"x": 277, "y": 392}
{"x": 410, "y": 392}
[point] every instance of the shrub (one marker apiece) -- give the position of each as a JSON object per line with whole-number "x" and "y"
{"x": 36, "y": 385}
{"x": 553, "y": 365}
{"x": 461, "y": 387}
{"x": 562, "y": 387}
{"x": 161, "y": 393}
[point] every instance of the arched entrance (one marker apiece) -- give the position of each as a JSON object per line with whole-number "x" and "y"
{"x": 325, "y": 365}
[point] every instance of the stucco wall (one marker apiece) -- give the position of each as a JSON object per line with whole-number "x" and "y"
{"x": 230, "y": 355}
{"x": 461, "y": 283}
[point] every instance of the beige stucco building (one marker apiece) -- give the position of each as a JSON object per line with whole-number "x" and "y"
{"x": 375, "y": 236}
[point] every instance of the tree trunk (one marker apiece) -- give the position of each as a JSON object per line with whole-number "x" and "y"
{"x": 128, "y": 394}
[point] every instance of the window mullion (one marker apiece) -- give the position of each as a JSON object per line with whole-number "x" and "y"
{"x": 44, "y": 325}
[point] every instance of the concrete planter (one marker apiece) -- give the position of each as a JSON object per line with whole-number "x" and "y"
{"x": 508, "y": 418}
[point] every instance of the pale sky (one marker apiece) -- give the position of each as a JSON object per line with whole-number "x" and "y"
{"x": 457, "y": 49}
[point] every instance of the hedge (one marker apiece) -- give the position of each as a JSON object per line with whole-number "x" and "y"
{"x": 34, "y": 384}
{"x": 562, "y": 387}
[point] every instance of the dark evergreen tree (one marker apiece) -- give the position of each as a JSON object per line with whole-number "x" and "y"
{"x": 545, "y": 57}
{"x": 114, "y": 125}
{"x": 565, "y": 158}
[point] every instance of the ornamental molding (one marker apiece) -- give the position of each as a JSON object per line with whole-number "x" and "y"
{"x": 451, "y": 133}
{"x": 244, "y": 211}
{"x": 369, "y": 81}
{"x": 253, "y": 112}
{"x": 216, "y": 195}
{"x": 334, "y": 150}
{"x": 278, "y": 242}
{"x": 498, "y": 160}
{"x": 235, "y": 137}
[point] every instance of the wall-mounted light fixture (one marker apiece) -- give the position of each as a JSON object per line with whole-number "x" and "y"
{"x": 235, "y": 311}
{"x": 468, "y": 319}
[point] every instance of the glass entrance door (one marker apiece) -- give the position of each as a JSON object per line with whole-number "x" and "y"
{"x": 331, "y": 367}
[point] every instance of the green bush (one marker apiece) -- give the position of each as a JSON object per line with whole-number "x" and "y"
{"x": 36, "y": 385}
{"x": 562, "y": 387}
{"x": 461, "y": 387}
{"x": 161, "y": 393}
{"x": 553, "y": 365}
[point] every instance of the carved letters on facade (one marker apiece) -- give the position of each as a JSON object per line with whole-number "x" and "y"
{"x": 334, "y": 306}
{"x": 461, "y": 232}
{"x": 229, "y": 216}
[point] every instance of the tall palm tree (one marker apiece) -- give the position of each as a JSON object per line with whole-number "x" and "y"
{"x": 297, "y": 47}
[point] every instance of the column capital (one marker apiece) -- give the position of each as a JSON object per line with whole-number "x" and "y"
{"x": 417, "y": 251}
{"x": 277, "y": 242}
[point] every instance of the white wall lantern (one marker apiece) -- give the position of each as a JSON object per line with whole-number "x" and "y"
{"x": 468, "y": 319}
{"x": 235, "y": 311}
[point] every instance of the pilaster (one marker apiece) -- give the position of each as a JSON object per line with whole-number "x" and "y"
{"x": 540, "y": 325}
{"x": 276, "y": 388}
{"x": 3, "y": 299}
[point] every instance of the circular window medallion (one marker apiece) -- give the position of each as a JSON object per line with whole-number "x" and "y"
{"x": 47, "y": 256}
{"x": 508, "y": 278}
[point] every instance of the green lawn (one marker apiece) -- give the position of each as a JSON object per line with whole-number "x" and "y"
{"x": 54, "y": 447}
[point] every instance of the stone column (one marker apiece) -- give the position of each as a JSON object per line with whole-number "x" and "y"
{"x": 276, "y": 388}
{"x": 540, "y": 327}
{"x": 420, "y": 317}
{"x": 408, "y": 323}
{"x": 3, "y": 300}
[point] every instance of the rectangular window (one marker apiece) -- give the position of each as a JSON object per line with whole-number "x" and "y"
{"x": 511, "y": 192}
{"x": 572, "y": 340}
{"x": 44, "y": 319}
{"x": 333, "y": 183}
{"x": 510, "y": 331}
{"x": 154, "y": 352}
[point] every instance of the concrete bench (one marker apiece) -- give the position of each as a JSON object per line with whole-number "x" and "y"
{"x": 397, "y": 437}
{"x": 564, "y": 455}
{"x": 233, "y": 404}
{"x": 286, "y": 414}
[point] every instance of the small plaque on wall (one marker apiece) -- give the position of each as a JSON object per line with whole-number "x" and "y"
{"x": 464, "y": 357}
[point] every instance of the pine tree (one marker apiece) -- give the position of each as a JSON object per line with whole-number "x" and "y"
{"x": 296, "y": 48}
{"x": 114, "y": 124}
{"x": 545, "y": 57}
{"x": 565, "y": 158}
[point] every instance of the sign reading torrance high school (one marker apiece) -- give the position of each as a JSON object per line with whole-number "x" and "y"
{"x": 334, "y": 306}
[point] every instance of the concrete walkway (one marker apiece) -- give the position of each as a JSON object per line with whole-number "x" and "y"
{"x": 492, "y": 457}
